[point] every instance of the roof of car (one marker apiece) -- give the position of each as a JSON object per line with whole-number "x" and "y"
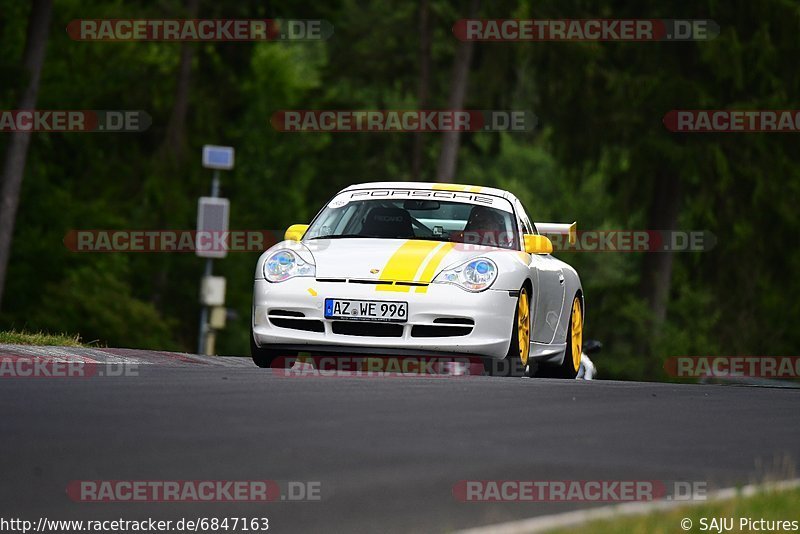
{"x": 433, "y": 185}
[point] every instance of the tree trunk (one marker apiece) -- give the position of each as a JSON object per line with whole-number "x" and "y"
{"x": 174, "y": 146}
{"x": 424, "y": 83}
{"x": 17, "y": 150}
{"x": 656, "y": 273}
{"x": 451, "y": 141}
{"x": 172, "y": 154}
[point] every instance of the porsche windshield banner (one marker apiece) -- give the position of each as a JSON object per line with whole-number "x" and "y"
{"x": 470, "y": 195}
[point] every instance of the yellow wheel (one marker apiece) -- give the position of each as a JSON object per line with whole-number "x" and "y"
{"x": 576, "y": 333}
{"x": 524, "y": 327}
{"x": 572, "y": 356}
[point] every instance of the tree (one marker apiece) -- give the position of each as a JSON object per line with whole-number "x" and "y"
{"x": 423, "y": 91}
{"x": 448, "y": 158}
{"x": 17, "y": 151}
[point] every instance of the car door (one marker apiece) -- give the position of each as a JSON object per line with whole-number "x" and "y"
{"x": 548, "y": 289}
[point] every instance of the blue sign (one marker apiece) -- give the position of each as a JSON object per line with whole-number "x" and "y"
{"x": 218, "y": 157}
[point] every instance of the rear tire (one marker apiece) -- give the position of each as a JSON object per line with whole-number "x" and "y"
{"x": 572, "y": 355}
{"x": 262, "y": 357}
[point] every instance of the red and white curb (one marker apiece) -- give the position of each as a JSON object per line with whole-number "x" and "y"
{"x": 104, "y": 356}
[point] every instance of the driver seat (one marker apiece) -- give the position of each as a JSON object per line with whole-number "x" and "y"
{"x": 388, "y": 223}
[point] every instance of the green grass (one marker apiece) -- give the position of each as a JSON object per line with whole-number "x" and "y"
{"x": 14, "y": 337}
{"x": 770, "y": 505}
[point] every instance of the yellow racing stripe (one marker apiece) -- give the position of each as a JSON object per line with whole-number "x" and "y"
{"x": 457, "y": 187}
{"x": 430, "y": 269}
{"x": 448, "y": 187}
{"x": 404, "y": 264}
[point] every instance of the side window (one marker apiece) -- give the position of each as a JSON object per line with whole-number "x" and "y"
{"x": 527, "y": 226}
{"x": 533, "y": 228}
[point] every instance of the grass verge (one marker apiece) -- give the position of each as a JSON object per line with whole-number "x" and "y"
{"x": 14, "y": 337}
{"x": 770, "y": 506}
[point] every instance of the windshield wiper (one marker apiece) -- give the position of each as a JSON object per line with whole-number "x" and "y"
{"x": 430, "y": 238}
{"x": 360, "y": 236}
{"x": 338, "y": 236}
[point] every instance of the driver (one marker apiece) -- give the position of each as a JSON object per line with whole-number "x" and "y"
{"x": 485, "y": 226}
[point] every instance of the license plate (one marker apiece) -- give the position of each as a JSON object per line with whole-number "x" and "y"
{"x": 366, "y": 310}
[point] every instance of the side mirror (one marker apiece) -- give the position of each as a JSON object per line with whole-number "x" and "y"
{"x": 537, "y": 244}
{"x": 295, "y": 232}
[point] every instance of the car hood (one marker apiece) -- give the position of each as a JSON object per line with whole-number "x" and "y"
{"x": 402, "y": 260}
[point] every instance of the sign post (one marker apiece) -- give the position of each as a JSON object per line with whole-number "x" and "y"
{"x": 212, "y": 217}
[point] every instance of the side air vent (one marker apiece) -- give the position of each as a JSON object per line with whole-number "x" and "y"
{"x": 422, "y": 330}
{"x": 454, "y": 320}
{"x": 307, "y": 325}
{"x": 286, "y": 313}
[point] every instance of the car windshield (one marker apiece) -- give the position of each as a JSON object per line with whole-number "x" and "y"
{"x": 457, "y": 222}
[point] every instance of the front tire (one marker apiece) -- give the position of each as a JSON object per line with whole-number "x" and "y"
{"x": 262, "y": 357}
{"x": 516, "y": 362}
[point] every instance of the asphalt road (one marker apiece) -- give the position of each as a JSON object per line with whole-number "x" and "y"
{"x": 386, "y": 452}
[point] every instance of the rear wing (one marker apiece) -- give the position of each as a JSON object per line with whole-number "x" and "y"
{"x": 559, "y": 228}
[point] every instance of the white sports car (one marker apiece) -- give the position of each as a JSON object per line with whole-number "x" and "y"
{"x": 407, "y": 268}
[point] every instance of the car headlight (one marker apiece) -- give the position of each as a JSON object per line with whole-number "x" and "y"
{"x": 285, "y": 264}
{"x": 475, "y": 275}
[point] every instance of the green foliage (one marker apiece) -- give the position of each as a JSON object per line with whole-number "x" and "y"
{"x": 100, "y": 306}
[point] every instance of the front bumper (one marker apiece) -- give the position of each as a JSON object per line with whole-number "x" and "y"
{"x": 276, "y": 320}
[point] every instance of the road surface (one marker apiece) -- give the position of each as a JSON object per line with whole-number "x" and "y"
{"x": 385, "y": 452}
